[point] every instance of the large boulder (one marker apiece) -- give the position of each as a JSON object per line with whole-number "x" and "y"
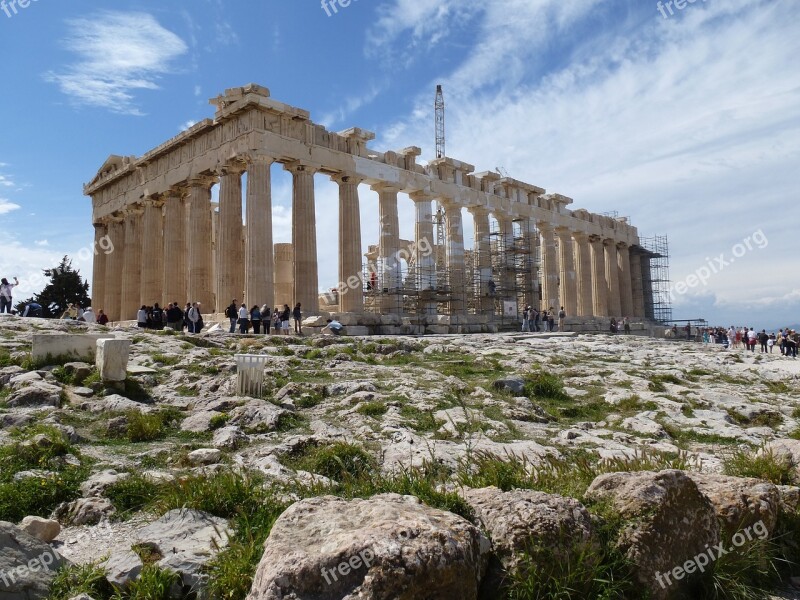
{"x": 530, "y": 528}
{"x": 389, "y": 546}
{"x": 258, "y": 416}
{"x": 27, "y": 565}
{"x": 84, "y": 511}
{"x": 98, "y": 483}
{"x": 668, "y": 523}
{"x": 740, "y": 503}
{"x": 39, "y": 393}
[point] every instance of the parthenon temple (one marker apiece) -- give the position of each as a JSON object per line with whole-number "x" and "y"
{"x": 172, "y": 243}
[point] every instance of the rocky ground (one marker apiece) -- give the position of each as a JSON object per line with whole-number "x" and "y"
{"x": 506, "y": 438}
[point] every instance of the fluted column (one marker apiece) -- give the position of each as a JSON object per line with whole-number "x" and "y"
{"x": 528, "y": 276}
{"x": 424, "y": 252}
{"x": 152, "y": 275}
{"x": 612, "y": 278}
{"x": 637, "y": 286}
{"x": 99, "y": 266}
{"x": 583, "y": 264}
{"x": 599, "y": 285}
{"x": 625, "y": 284}
{"x": 505, "y": 254}
{"x": 351, "y": 292}
{"x": 115, "y": 264}
{"x": 454, "y": 253}
{"x": 175, "y": 248}
{"x": 259, "y": 269}
{"x": 230, "y": 246}
{"x": 199, "y": 287}
{"x": 647, "y": 285}
{"x": 568, "y": 289}
{"x": 483, "y": 248}
{"x": 132, "y": 270}
{"x": 304, "y": 238}
{"x": 549, "y": 266}
{"x": 389, "y": 248}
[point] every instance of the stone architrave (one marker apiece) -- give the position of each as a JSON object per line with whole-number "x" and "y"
{"x": 99, "y": 272}
{"x": 304, "y": 238}
{"x": 455, "y": 257}
{"x": 351, "y": 296}
{"x": 625, "y": 283}
{"x": 175, "y": 248}
{"x": 199, "y": 244}
{"x": 152, "y": 270}
{"x": 583, "y": 264}
{"x": 259, "y": 266}
{"x": 599, "y": 285}
{"x": 550, "y": 294}
{"x": 111, "y": 359}
{"x": 567, "y": 275}
{"x": 230, "y": 247}
{"x": 612, "y": 278}
{"x": 131, "y": 274}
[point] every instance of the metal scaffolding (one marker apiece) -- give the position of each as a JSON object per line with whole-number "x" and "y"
{"x": 655, "y": 278}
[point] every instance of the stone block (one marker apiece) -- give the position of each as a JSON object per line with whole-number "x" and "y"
{"x": 112, "y": 359}
{"x": 437, "y": 329}
{"x": 356, "y": 330}
{"x": 78, "y": 345}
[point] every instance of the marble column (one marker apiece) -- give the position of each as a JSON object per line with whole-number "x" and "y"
{"x": 304, "y": 238}
{"x": 230, "y": 246}
{"x": 484, "y": 302}
{"x": 550, "y": 294}
{"x": 152, "y": 276}
{"x": 388, "y": 249}
{"x": 505, "y": 254}
{"x": 175, "y": 248}
{"x": 625, "y": 284}
{"x": 568, "y": 296}
{"x": 612, "y": 278}
{"x": 199, "y": 286}
{"x": 528, "y": 276}
{"x": 425, "y": 253}
{"x": 99, "y": 266}
{"x": 115, "y": 264}
{"x": 259, "y": 267}
{"x": 637, "y": 285}
{"x": 132, "y": 271}
{"x": 647, "y": 286}
{"x": 583, "y": 264}
{"x": 454, "y": 253}
{"x": 599, "y": 284}
{"x": 351, "y": 285}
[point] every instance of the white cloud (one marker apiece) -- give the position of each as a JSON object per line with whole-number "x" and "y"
{"x": 187, "y": 125}
{"x": 5, "y": 181}
{"x": 41, "y": 243}
{"x": 6, "y": 206}
{"x": 119, "y": 54}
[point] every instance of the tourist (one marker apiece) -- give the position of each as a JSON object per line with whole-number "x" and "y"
{"x": 707, "y": 335}
{"x": 562, "y": 314}
{"x": 232, "y": 312}
{"x": 763, "y": 338}
{"x": 194, "y": 318}
{"x": 244, "y": 321}
{"x": 297, "y": 314}
{"x": 102, "y": 318}
{"x": 791, "y": 344}
{"x": 688, "y": 330}
{"x": 286, "y": 314}
{"x": 545, "y": 320}
{"x": 779, "y": 341}
{"x": 89, "y": 316}
{"x": 334, "y": 327}
{"x": 33, "y": 309}
{"x": 525, "y": 318}
{"x": 141, "y": 317}
{"x": 255, "y": 318}
{"x": 276, "y": 320}
{"x": 266, "y": 318}
{"x": 751, "y": 340}
{"x": 613, "y": 325}
{"x": 771, "y": 342}
{"x": 732, "y": 335}
{"x": 175, "y": 317}
{"x": 551, "y": 319}
{"x": 157, "y": 317}
{"x": 626, "y": 325}
{"x": 5, "y": 294}
{"x": 536, "y": 316}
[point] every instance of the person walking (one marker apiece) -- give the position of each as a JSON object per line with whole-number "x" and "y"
{"x": 255, "y": 318}
{"x": 243, "y": 320}
{"x": 232, "y": 312}
{"x": 6, "y": 294}
{"x": 286, "y": 314}
{"x": 536, "y": 316}
{"x": 562, "y": 314}
{"x": 266, "y": 318}
{"x": 751, "y": 340}
{"x": 276, "y": 320}
{"x": 626, "y": 325}
{"x": 545, "y": 320}
{"x": 525, "y": 318}
{"x": 551, "y": 319}
{"x": 763, "y": 338}
{"x": 792, "y": 340}
{"x": 297, "y": 314}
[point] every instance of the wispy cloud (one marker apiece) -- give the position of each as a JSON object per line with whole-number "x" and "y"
{"x": 6, "y": 206}
{"x": 187, "y": 125}
{"x": 42, "y": 243}
{"x": 118, "y": 55}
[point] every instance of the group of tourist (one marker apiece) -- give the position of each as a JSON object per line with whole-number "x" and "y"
{"x": 746, "y": 338}
{"x": 264, "y": 319}
{"x": 533, "y": 319}
{"x": 176, "y": 318}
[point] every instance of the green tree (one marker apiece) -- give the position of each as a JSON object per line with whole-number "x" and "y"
{"x": 66, "y": 286}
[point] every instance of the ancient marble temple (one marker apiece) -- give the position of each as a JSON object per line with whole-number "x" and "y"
{"x": 172, "y": 243}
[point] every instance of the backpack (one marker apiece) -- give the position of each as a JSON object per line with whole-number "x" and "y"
{"x": 561, "y": 314}
{"x": 228, "y": 312}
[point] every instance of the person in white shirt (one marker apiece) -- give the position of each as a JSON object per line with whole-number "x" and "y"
{"x": 751, "y": 340}
{"x": 333, "y": 327}
{"x": 88, "y": 315}
{"x": 193, "y": 314}
{"x": 244, "y": 322}
{"x": 5, "y": 294}
{"x": 141, "y": 317}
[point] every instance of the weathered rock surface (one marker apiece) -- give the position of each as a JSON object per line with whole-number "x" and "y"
{"x": 27, "y": 565}
{"x": 389, "y": 546}
{"x": 45, "y": 530}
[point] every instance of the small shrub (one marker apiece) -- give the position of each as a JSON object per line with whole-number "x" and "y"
{"x": 760, "y": 465}
{"x": 153, "y": 583}
{"x": 372, "y": 409}
{"x": 167, "y": 361}
{"x": 132, "y": 494}
{"x": 74, "y": 580}
{"x": 219, "y": 421}
{"x": 338, "y": 461}
{"x": 543, "y": 385}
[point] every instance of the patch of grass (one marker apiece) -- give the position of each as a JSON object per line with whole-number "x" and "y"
{"x": 764, "y": 464}
{"x": 337, "y": 461}
{"x": 73, "y": 580}
{"x": 764, "y": 419}
{"x": 148, "y": 427}
{"x": 419, "y": 420}
{"x": 186, "y": 391}
{"x": 540, "y": 385}
{"x": 218, "y": 421}
{"x": 153, "y": 583}
{"x": 164, "y": 359}
{"x": 373, "y": 409}
{"x": 777, "y": 387}
{"x": 132, "y": 494}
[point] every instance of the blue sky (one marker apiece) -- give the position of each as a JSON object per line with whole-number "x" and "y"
{"x": 689, "y": 124}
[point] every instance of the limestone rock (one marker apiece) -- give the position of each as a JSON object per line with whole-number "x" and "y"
{"x": 548, "y": 528}
{"x": 39, "y": 393}
{"x": 515, "y": 385}
{"x": 45, "y": 530}
{"x": 787, "y": 450}
{"x": 98, "y": 483}
{"x": 389, "y": 546}
{"x": 204, "y": 456}
{"x": 84, "y": 511}
{"x": 27, "y": 564}
{"x": 257, "y": 415}
{"x": 122, "y": 568}
{"x": 24, "y": 379}
{"x": 790, "y": 498}
{"x": 346, "y": 388}
{"x": 669, "y": 522}
{"x": 229, "y": 438}
{"x": 112, "y": 359}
